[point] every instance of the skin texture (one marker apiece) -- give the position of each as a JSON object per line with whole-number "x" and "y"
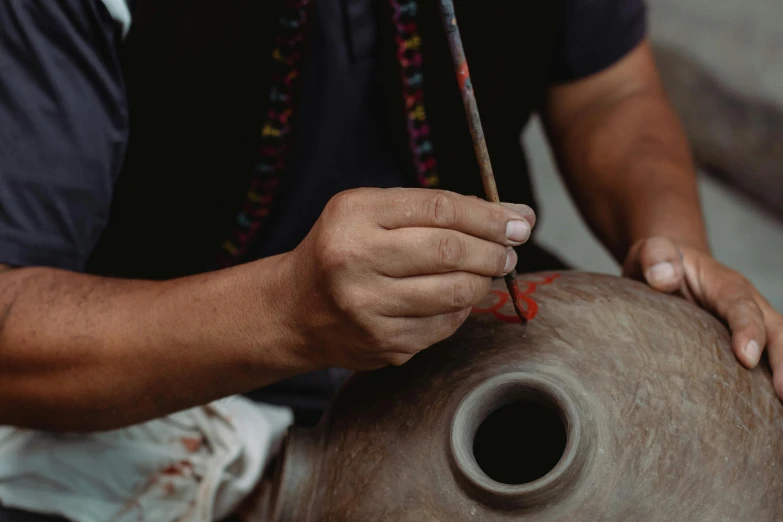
{"x": 382, "y": 275}
{"x": 626, "y": 162}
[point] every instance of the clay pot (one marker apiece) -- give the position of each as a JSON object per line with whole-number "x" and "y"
{"x": 613, "y": 402}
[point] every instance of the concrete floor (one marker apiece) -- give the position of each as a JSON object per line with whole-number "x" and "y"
{"x": 741, "y": 236}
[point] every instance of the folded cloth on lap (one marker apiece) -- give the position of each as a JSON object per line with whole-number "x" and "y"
{"x": 194, "y": 466}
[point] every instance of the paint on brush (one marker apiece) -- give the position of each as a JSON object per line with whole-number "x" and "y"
{"x": 474, "y": 123}
{"x": 514, "y": 293}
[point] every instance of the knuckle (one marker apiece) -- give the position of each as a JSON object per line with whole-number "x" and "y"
{"x": 656, "y": 242}
{"x": 755, "y": 307}
{"x": 739, "y": 285}
{"x": 342, "y": 201}
{"x": 743, "y": 309}
{"x": 501, "y": 256}
{"x": 746, "y": 302}
{"x": 451, "y": 251}
{"x": 456, "y": 320}
{"x": 342, "y": 299}
{"x": 528, "y": 213}
{"x": 462, "y": 293}
{"x": 350, "y": 203}
{"x": 349, "y": 300}
{"x": 657, "y": 250}
{"x": 743, "y": 281}
{"x": 446, "y": 325}
{"x": 497, "y": 214}
{"x": 497, "y": 222}
{"x": 332, "y": 257}
{"x": 376, "y": 341}
{"x": 336, "y": 255}
{"x": 442, "y": 209}
{"x": 483, "y": 286}
{"x": 733, "y": 305}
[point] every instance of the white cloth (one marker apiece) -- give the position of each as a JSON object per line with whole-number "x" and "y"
{"x": 193, "y": 466}
{"x": 118, "y": 9}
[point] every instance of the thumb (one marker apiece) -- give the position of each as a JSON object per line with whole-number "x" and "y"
{"x": 656, "y": 261}
{"x": 524, "y": 211}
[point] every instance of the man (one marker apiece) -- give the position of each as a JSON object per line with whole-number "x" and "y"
{"x": 240, "y": 135}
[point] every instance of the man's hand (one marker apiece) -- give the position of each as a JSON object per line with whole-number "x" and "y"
{"x": 382, "y": 275}
{"x": 754, "y": 324}
{"x": 386, "y": 273}
{"x": 627, "y": 163}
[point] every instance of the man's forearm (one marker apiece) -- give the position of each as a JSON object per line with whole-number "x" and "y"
{"x": 626, "y": 160}
{"x": 80, "y": 353}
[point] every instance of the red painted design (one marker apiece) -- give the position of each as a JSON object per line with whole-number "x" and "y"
{"x": 463, "y": 75}
{"x": 527, "y": 305}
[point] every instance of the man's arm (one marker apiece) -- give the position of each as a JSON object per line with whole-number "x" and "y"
{"x": 626, "y": 161}
{"x": 383, "y": 275}
{"x": 81, "y": 353}
{"x": 625, "y": 157}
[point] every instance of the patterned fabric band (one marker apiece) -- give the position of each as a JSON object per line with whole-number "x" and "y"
{"x": 287, "y": 60}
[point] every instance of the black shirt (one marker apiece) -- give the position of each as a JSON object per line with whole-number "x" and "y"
{"x": 64, "y": 121}
{"x": 130, "y": 158}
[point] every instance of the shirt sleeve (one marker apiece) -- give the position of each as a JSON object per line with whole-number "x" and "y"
{"x": 63, "y": 129}
{"x": 596, "y": 34}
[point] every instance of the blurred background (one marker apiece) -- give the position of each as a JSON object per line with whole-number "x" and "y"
{"x": 722, "y": 63}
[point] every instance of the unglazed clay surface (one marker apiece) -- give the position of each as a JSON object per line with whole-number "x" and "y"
{"x": 612, "y": 403}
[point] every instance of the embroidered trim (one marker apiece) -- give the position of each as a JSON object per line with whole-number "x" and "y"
{"x": 411, "y": 62}
{"x": 286, "y": 58}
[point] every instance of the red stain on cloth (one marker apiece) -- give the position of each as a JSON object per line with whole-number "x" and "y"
{"x": 192, "y": 444}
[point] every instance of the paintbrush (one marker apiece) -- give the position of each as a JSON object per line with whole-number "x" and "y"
{"x": 474, "y": 122}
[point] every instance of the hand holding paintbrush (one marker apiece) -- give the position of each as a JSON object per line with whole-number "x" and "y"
{"x": 474, "y": 122}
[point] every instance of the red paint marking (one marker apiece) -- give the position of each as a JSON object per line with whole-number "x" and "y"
{"x": 171, "y": 469}
{"x": 526, "y": 303}
{"x": 463, "y": 75}
{"x": 177, "y": 468}
{"x": 192, "y": 444}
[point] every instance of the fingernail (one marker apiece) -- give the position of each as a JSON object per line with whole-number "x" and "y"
{"x": 661, "y": 273}
{"x": 517, "y": 231}
{"x": 511, "y": 261}
{"x": 753, "y": 352}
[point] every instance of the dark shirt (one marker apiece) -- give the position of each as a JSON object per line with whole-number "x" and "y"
{"x": 131, "y": 158}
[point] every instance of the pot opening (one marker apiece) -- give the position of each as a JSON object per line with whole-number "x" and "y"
{"x": 521, "y": 441}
